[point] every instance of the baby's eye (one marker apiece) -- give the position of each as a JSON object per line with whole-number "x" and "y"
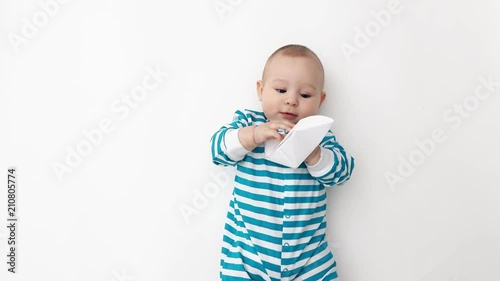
{"x": 281, "y": 91}
{"x": 305, "y": 95}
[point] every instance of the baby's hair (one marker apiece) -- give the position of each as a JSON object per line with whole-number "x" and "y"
{"x": 294, "y": 50}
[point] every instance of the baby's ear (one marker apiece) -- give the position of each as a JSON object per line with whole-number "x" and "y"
{"x": 323, "y": 97}
{"x": 260, "y": 87}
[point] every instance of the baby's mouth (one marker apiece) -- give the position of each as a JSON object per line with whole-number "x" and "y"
{"x": 288, "y": 115}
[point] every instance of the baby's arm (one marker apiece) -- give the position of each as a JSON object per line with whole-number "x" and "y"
{"x": 314, "y": 157}
{"x": 329, "y": 163}
{"x": 251, "y": 137}
{"x": 224, "y": 142}
{"x": 233, "y": 141}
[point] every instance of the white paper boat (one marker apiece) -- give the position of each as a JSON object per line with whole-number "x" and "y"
{"x": 299, "y": 142}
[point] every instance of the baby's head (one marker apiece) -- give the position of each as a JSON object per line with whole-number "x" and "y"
{"x": 292, "y": 84}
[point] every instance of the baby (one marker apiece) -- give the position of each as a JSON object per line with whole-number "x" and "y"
{"x": 276, "y": 224}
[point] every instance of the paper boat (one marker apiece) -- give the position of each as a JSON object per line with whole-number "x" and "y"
{"x": 299, "y": 142}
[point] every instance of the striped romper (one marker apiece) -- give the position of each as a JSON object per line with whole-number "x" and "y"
{"x": 276, "y": 223}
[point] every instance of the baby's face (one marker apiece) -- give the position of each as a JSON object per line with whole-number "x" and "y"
{"x": 292, "y": 88}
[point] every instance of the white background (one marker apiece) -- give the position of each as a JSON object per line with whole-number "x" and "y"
{"x": 116, "y": 215}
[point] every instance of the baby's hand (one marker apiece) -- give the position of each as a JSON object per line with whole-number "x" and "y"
{"x": 269, "y": 130}
{"x": 313, "y": 158}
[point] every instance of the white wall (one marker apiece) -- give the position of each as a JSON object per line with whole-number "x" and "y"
{"x": 116, "y": 215}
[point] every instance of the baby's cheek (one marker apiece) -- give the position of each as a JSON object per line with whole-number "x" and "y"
{"x": 312, "y": 109}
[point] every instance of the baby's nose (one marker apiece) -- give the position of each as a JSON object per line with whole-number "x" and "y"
{"x": 292, "y": 100}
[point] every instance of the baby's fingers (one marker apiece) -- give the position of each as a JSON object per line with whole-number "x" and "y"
{"x": 283, "y": 125}
{"x": 277, "y": 136}
{"x": 263, "y": 133}
{"x": 288, "y": 126}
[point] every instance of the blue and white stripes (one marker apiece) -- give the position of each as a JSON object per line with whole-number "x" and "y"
{"x": 275, "y": 226}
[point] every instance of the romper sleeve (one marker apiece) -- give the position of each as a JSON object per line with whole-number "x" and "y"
{"x": 335, "y": 165}
{"x": 226, "y": 148}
